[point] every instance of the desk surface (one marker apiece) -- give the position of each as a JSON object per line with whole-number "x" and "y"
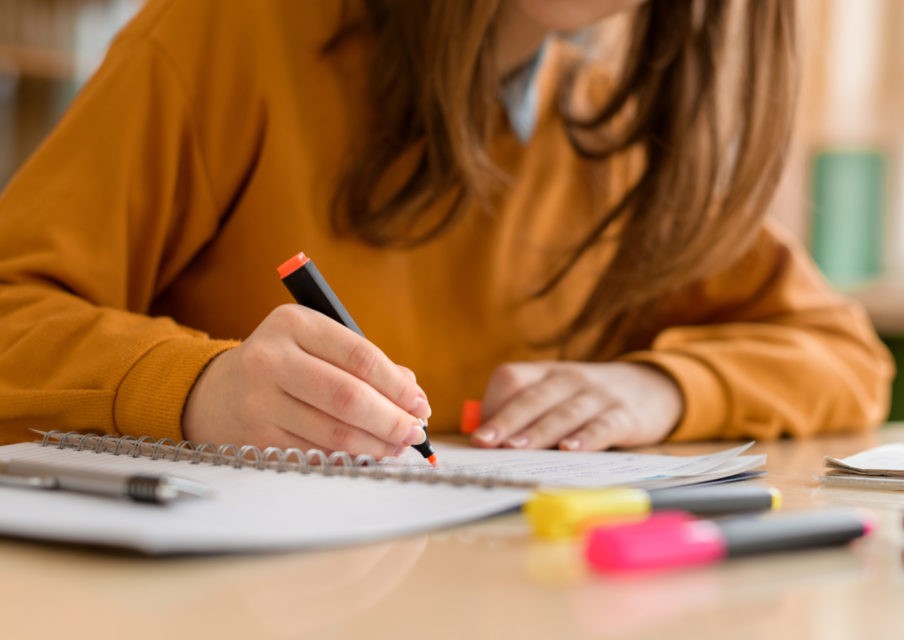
{"x": 488, "y": 580}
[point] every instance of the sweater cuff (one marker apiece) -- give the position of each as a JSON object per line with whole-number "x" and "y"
{"x": 151, "y": 397}
{"x": 705, "y": 398}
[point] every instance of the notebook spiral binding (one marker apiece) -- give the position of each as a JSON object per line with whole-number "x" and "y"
{"x": 338, "y": 463}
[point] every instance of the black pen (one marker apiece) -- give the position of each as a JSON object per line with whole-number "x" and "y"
{"x": 158, "y": 489}
{"x": 310, "y": 289}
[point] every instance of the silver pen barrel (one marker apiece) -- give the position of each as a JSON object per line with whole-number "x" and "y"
{"x": 141, "y": 488}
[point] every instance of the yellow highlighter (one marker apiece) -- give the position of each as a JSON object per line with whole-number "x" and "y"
{"x": 563, "y": 513}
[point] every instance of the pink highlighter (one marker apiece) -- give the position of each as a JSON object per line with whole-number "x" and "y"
{"x": 675, "y": 539}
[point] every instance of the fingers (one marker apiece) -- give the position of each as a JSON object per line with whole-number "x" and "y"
{"x": 348, "y": 400}
{"x": 537, "y": 406}
{"x": 580, "y": 422}
{"x": 613, "y": 427}
{"x": 578, "y": 406}
{"x": 508, "y": 380}
{"x": 284, "y": 380}
{"x": 326, "y": 340}
{"x": 286, "y": 416}
{"x": 547, "y": 405}
{"x": 563, "y": 420}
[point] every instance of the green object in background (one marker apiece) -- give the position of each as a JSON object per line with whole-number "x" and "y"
{"x": 896, "y": 345}
{"x": 848, "y": 194}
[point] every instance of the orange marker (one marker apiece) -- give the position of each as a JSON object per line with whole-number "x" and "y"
{"x": 310, "y": 289}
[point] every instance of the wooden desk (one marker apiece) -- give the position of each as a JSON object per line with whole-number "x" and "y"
{"x": 488, "y": 580}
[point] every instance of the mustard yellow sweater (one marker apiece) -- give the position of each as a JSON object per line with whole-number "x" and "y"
{"x": 142, "y": 238}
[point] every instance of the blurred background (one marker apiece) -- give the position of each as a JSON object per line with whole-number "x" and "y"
{"x": 843, "y": 193}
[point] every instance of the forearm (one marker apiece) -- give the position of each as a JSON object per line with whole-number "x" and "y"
{"x": 762, "y": 382}
{"x": 772, "y": 351}
{"x": 68, "y": 364}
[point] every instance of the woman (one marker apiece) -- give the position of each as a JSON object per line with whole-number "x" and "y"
{"x": 604, "y": 280}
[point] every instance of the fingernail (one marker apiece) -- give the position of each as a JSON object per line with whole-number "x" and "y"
{"x": 486, "y": 436}
{"x": 399, "y": 451}
{"x": 421, "y": 408}
{"x": 517, "y": 442}
{"x": 416, "y": 435}
{"x": 571, "y": 444}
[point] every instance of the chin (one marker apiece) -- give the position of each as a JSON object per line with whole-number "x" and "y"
{"x": 570, "y": 15}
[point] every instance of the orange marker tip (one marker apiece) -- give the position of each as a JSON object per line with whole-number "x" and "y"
{"x": 432, "y": 459}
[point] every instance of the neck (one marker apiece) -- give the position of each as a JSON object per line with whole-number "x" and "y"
{"x": 517, "y": 38}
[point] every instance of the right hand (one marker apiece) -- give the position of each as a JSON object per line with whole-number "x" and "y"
{"x": 303, "y": 380}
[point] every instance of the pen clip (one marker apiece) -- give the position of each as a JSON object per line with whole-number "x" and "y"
{"x": 32, "y": 482}
{"x": 173, "y": 487}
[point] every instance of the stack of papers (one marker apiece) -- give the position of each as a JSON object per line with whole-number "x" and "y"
{"x": 878, "y": 468}
{"x": 545, "y": 468}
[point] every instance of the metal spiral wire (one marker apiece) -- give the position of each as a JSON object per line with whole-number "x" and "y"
{"x": 289, "y": 460}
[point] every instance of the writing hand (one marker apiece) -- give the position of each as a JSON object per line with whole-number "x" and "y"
{"x": 578, "y": 406}
{"x": 303, "y": 380}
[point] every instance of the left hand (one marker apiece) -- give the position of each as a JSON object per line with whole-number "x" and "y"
{"x": 578, "y": 406}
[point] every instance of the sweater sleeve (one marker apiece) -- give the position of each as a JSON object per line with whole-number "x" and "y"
{"x": 112, "y": 206}
{"x": 770, "y": 351}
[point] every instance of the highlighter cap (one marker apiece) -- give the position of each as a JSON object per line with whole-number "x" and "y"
{"x": 470, "y": 416}
{"x": 663, "y": 541}
{"x": 292, "y": 265}
{"x": 568, "y": 512}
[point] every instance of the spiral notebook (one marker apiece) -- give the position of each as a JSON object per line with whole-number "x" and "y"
{"x": 282, "y": 499}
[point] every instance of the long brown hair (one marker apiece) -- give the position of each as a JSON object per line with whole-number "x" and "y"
{"x": 705, "y": 95}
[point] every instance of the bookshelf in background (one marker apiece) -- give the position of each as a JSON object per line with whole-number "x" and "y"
{"x": 47, "y": 49}
{"x": 844, "y": 192}
{"x": 850, "y": 129}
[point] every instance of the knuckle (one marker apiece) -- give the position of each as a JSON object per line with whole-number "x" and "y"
{"x": 399, "y": 431}
{"x": 341, "y": 438}
{"x": 362, "y": 360}
{"x": 284, "y": 315}
{"x": 506, "y": 378}
{"x": 569, "y": 411}
{"x": 574, "y": 377}
{"x": 384, "y": 452}
{"x": 406, "y": 395}
{"x": 535, "y": 396}
{"x": 620, "y": 418}
{"x": 347, "y": 398}
{"x": 598, "y": 429}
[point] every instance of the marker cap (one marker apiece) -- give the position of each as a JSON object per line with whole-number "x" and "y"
{"x": 665, "y": 540}
{"x": 565, "y": 513}
{"x": 470, "y": 416}
{"x": 292, "y": 265}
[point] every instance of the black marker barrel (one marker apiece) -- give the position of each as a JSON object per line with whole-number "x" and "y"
{"x": 715, "y": 500}
{"x": 310, "y": 289}
{"x": 791, "y": 532}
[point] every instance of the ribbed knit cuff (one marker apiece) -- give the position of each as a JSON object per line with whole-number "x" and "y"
{"x": 705, "y": 400}
{"x": 151, "y": 397}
